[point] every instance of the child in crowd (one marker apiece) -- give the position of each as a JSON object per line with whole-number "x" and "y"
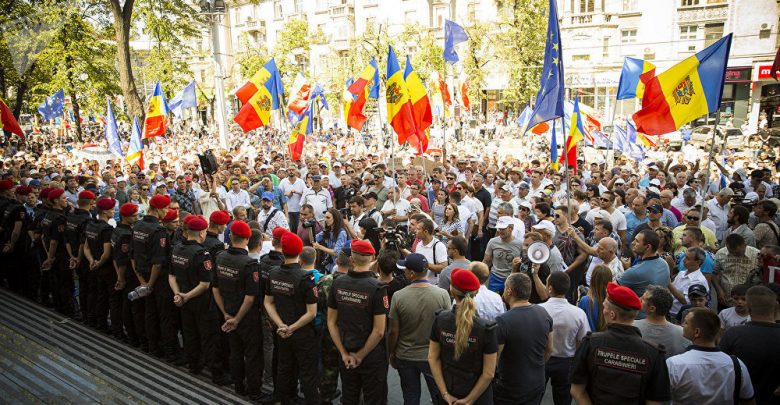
{"x": 738, "y": 314}
{"x": 697, "y": 297}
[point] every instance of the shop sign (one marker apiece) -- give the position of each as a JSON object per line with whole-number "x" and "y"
{"x": 739, "y": 74}
{"x": 765, "y": 71}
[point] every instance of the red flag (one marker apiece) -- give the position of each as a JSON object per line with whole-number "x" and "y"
{"x": 7, "y": 120}
{"x": 464, "y": 89}
{"x": 445, "y": 92}
{"x": 776, "y": 65}
{"x": 571, "y": 156}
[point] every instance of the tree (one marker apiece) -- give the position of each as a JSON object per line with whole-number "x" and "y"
{"x": 123, "y": 15}
{"x": 292, "y": 48}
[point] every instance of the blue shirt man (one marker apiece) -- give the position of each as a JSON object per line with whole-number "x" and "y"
{"x": 650, "y": 269}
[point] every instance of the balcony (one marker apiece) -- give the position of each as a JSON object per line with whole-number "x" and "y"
{"x": 342, "y": 11}
{"x": 589, "y": 19}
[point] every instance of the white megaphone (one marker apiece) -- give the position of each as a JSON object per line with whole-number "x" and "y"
{"x": 538, "y": 252}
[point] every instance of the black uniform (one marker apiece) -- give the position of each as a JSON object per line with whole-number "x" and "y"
{"x": 107, "y": 299}
{"x": 191, "y": 264}
{"x": 15, "y": 260}
{"x": 462, "y": 374}
{"x": 132, "y": 311}
{"x": 358, "y": 296}
{"x": 270, "y": 338}
{"x": 41, "y": 281}
{"x": 213, "y": 244}
{"x": 618, "y": 367}
{"x": 150, "y": 247}
{"x": 293, "y": 288}
{"x": 238, "y": 276}
{"x": 53, "y": 228}
{"x": 74, "y": 235}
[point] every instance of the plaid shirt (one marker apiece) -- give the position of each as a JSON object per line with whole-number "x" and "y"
{"x": 735, "y": 270}
{"x": 186, "y": 200}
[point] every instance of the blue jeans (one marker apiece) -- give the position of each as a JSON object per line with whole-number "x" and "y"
{"x": 409, "y": 374}
{"x": 496, "y": 283}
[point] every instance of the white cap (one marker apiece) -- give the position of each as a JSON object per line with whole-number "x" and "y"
{"x": 654, "y": 189}
{"x": 655, "y": 182}
{"x": 620, "y": 181}
{"x": 504, "y": 222}
{"x": 121, "y": 178}
{"x": 752, "y": 196}
{"x": 526, "y": 204}
{"x": 545, "y": 225}
{"x": 507, "y": 187}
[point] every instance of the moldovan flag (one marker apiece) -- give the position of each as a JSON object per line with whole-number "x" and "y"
{"x": 366, "y": 76}
{"x": 349, "y": 98}
{"x": 156, "y": 121}
{"x": 688, "y": 90}
{"x": 421, "y": 108}
{"x": 399, "y": 105}
{"x": 7, "y": 120}
{"x": 464, "y": 91}
{"x": 135, "y": 152}
{"x": 634, "y": 77}
{"x": 298, "y": 135}
{"x": 576, "y": 132}
{"x": 266, "y": 88}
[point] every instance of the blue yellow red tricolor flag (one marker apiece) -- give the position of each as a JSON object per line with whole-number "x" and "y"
{"x": 360, "y": 90}
{"x": 421, "y": 109}
{"x": 135, "y": 153}
{"x": 553, "y": 148}
{"x": 7, "y": 120}
{"x": 156, "y": 121}
{"x": 298, "y": 135}
{"x": 349, "y": 98}
{"x": 634, "y": 77}
{"x": 261, "y": 94}
{"x": 370, "y": 73}
{"x": 576, "y": 134}
{"x": 399, "y": 105}
{"x": 688, "y": 90}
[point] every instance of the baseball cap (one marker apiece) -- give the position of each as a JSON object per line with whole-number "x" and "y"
{"x": 414, "y": 262}
{"x": 656, "y": 208}
{"x": 697, "y": 290}
{"x": 620, "y": 181}
{"x": 267, "y": 195}
{"x": 504, "y": 222}
{"x": 545, "y": 225}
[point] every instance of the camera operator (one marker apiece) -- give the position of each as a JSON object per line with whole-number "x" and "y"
{"x": 307, "y": 225}
{"x": 396, "y": 208}
{"x": 343, "y": 195}
{"x": 433, "y": 249}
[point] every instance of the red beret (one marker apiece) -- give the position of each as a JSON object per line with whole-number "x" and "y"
{"x": 188, "y": 218}
{"x": 241, "y": 229}
{"x": 128, "y": 210}
{"x": 623, "y": 296}
{"x": 6, "y": 185}
{"x": 170, "y": 216}
{"x": 23, "y": 190}
{"x": 464, "y": 280}
{"x": 44, "y": 193}
{"x": 86, "y": 195}
{"x": 55, "y": 193}
{"x": 363, "y": 247}
{"x": 219, "y": 217}
{"x": 292, "y": 245}
{"x": 105, "y": 204}
{"x": 160, "y": 201}
{"x": 196, "y": 223}
{"x": 278, "y": 232}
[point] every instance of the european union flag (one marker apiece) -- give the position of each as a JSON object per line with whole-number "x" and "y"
{"x": 53, "y": 106}
{"x": 453, "y": 35}
{"x": 186, "y": 99}
{"x": 112, "y": 132}
{"x": 319, "y": 92}
{"x": 621, "y": 139}
{"x": 549, "y": 100}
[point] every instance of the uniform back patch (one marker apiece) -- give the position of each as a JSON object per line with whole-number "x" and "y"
{"x": 631, "y": 362}
{"x": 207, "y": 265}
{"x": 282, "y": 287}
{"x": 349, "y": 297}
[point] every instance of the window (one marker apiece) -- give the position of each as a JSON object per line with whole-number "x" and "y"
{"x": 629, "y": 5}
{"x": 712, "y": 33}
{"x": 580, "y": 58}
{"x": 688, "y": 32}
{"x": 649, "y": 54}
{"x": 684, "y": 3}
{"x": 410, "y": 17}
{"x": 628, "y": 36}
{"x": 440, "y": 14}
{"x": 277, "y": 9}
{"x": 605, "y": 47}
{"x": 298, "y": 6}
{"x": 587, "y": 6}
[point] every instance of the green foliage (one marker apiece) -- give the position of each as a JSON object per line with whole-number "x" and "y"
{"x": 252, "y": 59}
{"x": 292, "y": 49}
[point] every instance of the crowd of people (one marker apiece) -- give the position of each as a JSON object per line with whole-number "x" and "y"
{"x": 283, "y": 277}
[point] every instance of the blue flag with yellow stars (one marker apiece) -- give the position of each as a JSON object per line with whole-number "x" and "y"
{"x": 549, "y": 100}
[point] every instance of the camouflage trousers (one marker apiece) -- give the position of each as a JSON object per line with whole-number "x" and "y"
{"x": 330, "y": 368}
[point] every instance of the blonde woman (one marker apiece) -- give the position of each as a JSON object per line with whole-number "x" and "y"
{"x": 463, "y": 348}
{"x": 591, "y": 303}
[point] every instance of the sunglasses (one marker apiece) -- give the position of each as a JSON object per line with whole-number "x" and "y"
{"x": 605, "y": 199}
{"x": 692, "y": 218}
{"x": 350, "y": 172}
{"x": 450, "y": 178}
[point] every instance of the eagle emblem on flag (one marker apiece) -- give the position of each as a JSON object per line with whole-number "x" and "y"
{"x": 684, "y": 91}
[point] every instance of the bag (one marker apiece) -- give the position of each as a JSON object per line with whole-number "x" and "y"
{"x": 737, "y": 377}
{"x": 270, "y": 217}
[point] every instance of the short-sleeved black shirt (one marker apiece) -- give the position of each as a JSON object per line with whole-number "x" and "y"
{"x": 756, "y": 344}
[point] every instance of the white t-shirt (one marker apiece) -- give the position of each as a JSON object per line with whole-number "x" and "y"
{"x": 401, "y": 206}
{"x": 320, "y": 201}
{"x": 730, "y": 318}
{"x": 618, "y": 221}
{"x": 434, "y": 257}
{"x": 297, "y": 187}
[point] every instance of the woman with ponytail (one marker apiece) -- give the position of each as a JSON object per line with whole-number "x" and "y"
{"x": 462, "y": 351}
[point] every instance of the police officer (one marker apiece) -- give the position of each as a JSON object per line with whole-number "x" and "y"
{"x": 132, "y": 311}
{"x": 236, "y": 289}
{"x": 15, "y": 241}
{"x": 268, "y": 261}
{"x": 217, "y": 223}
{"x": 190, "y": 276}
{"x": 616, "y": 366}
{"x": 357, "y": 311}
{"x": 149, "y": 254}
{"x": 57, "y": 260}
{"x": 42, "y": 280}
{"x": 463, "y": 346}
{"x": 97, "y": 252}
{"x": 6, "y": 198}
{"x": 74, "y": 236}
{"x": 291, "y": 303}
{"x": 329, "y": 379}
{"x": 169, "y": 330}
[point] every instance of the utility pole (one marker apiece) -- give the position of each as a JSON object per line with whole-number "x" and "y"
{"x": 214, "y": 10}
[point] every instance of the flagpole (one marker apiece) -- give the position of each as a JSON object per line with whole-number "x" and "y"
{"x": 709, "y": 161}
{"x": 612, "y": 133}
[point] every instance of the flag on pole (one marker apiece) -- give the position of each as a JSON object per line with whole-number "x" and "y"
{"x": 445, "y": 91}
{"x": 370, "y": 73}
{"x": 553, "y": 148}
{"x": 399, "y": 105}
{"x": 421, "y": 108}
{"x": 135, "y": 153}
{"x": 464, "y": 93}
{"x": 576, "y": 134}
{"x": 187, "y": 98}
{"x": 775, "y": 65}
{"x": 156, "y": 121}
{"x": 634, "y": 77}
{"x": 318, "y": 92}
{"x": 637, "y": 137}
{"x": 298, "y": 135}
{"x": 267, "y": 81}
{"x": 374, "y": 93}
{"x": 453, "y": 35}
{"x": 299, "y": 99}
{"x": 549, "y": 100}
{"x": 53, "y": 106}
{"x": 360, "y": 89}
{"x": 8, "y": 122}
{"x": 112, "y": 132}
{"x": 688, "y": 90}
{"x": 349, "y": 98}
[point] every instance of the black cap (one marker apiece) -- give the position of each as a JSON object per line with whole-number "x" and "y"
{"x": 414, "y": 262}
{"x": 697, "y": 290}
{"x": 316, "y": 177}
{"x": 656, "y": 208}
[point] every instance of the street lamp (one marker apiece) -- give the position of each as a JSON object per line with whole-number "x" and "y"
{"x": 213, "y": 11}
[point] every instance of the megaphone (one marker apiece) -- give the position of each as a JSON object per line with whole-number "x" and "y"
{"x": 538, "y": 252}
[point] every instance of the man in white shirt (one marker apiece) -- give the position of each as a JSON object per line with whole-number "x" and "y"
{"x": 433, "y": 249}
{"x": 570, "y": 325}
{"x": 293, "y": 187}
{"x": 694, "y": 257}
{"x": 396, "y": 208}
{"x": 718, "y": 211}
{"x": 704, "y": 374}
{"x": 270, "y": 217}
{"x": 489, "y": 304}
{"x": 319, "y": 198}
{"x": 237, "y": 197}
